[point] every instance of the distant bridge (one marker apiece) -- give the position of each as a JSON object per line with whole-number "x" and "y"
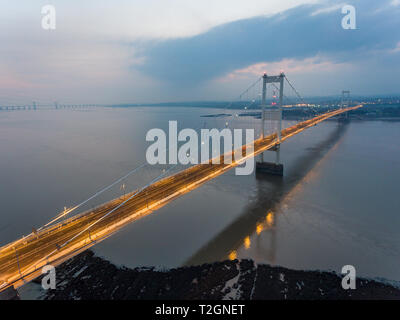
{"x": 35, "y": 106}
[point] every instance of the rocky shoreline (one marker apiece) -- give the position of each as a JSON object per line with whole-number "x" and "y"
{"x": 88, "y": 277}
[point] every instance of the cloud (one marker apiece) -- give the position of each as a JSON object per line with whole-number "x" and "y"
{"x": 295, "y": 34}
{"x": 87, "y": 59}
{"x": 328, "y": 9}
{"x": 395, "y": 3}
{"x": 290, "y": 66}
{"x": 136, "y": 51}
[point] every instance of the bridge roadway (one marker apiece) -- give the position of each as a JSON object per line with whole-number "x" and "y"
{"x": 22, "y": 260}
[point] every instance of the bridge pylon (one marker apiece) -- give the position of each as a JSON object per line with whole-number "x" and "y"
{"x": 275, "y": 168}
{"x": 344, "y": 103}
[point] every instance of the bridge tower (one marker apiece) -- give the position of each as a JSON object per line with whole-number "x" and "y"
{"x": 271, "y": 167}
{"x": 344, "y": 103}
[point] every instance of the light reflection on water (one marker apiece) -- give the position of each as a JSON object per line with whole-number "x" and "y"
{"x": 322, "y": 224}
{"x": 271, "y": 193}
{"x": 336, "y": 204}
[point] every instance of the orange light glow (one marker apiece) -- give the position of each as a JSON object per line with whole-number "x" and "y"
{"x": 259, "y": 228}
{"x": 270, "y": 219}
{"x": 247, "y": 242}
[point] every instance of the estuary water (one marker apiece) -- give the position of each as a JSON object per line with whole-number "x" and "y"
{"x": 337, "y": 204}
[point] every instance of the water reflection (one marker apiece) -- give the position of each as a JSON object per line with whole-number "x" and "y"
{"x": 260, "y": 218}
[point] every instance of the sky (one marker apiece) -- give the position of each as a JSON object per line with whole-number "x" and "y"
{"x": 181, "y": 50}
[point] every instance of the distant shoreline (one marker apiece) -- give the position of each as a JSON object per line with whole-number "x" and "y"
{"x": 257, "y": 115}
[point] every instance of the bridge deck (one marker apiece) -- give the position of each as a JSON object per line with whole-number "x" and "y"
{"x": 26, "y": 257}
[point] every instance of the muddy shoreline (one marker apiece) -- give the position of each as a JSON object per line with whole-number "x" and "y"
{"x": 88, "y": 277}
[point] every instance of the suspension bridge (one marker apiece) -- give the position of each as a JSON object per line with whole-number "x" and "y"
{"x": 60, "y": 239}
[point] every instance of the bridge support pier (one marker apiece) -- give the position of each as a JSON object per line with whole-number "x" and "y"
{"x": 344, "y": 117}
{"x": 273, "y": 168}
{"x": 344, "y": 103}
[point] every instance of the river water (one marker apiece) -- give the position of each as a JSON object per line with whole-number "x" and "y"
{"x": 337, "y": 203}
